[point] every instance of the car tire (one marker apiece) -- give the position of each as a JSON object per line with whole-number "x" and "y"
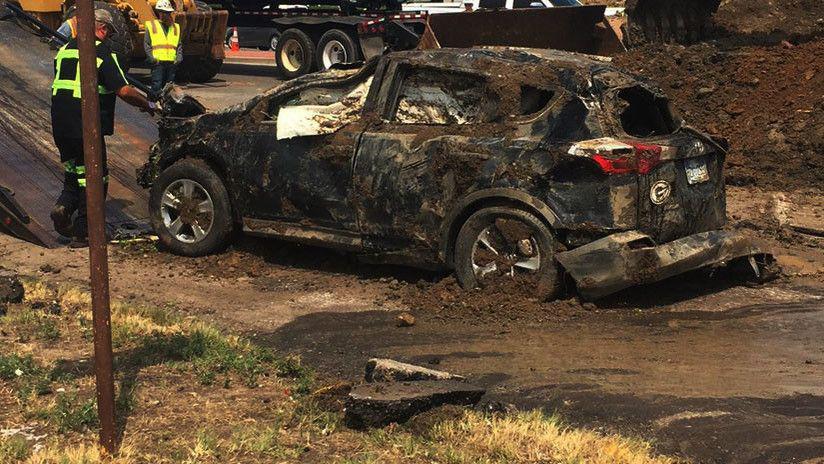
{"x": 170, "y": 189}
{"x": 335, "y": 46}
{"x": 539, "y": 249}
{"x": 295, "y": 54}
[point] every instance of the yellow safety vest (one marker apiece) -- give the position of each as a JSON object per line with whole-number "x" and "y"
{"x": 164, "y": 47}
{"x": 74, "y": 84}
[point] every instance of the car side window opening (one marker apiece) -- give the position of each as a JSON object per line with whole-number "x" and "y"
{"x": 321, "y": 110}
{"x": 642, "y": 114}
{"x": 534, "y": 99}
{"x": 434, "y": 96}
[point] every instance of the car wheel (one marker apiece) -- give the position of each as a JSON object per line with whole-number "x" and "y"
{"x": 505, "y": 247}
{"x": 335, "y": 46}
{"x": 294, "y": 54}
{"x": 190, "y": 209}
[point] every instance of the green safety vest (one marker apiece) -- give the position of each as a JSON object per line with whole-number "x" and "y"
{"x": 164, "y": 46}
{"x": 74, "y": 84}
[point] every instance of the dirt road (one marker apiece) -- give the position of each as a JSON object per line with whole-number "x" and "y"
{"x": 708, "y": 369}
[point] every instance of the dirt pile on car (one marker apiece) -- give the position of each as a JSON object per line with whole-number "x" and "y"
{"x": 766, "y": 99}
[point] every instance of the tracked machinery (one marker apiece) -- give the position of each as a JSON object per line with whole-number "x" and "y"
{"x": 202, "y": 30}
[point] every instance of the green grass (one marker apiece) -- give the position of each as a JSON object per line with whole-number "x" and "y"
{"x": 26, "y": 376}
{"x": 14, "y": 449}
{"x": 212, "y": 355}
{"x": 28, "y": 324}
{"x": 70, "y": 413}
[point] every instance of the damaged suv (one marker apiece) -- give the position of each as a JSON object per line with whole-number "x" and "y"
{"x": 531, "y": 164}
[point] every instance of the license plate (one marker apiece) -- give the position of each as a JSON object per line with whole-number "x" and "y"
{"x": 696, "y": 171}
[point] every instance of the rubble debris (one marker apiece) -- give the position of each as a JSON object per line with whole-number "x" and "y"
{"x": 380, "y": 404}
{"x": 11, "y": 289}
{"x": 388, "y": 370}
{"x": 406, "y": 320}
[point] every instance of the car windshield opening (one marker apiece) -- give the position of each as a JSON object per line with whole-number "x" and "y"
{"x": 643, "y": 114}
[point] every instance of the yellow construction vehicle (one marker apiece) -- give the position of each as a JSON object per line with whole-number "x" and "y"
{"x": 202, "y": 30}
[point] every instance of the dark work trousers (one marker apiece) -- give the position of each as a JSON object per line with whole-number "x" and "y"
{"x": 73, "y": 196}
{"x": 162, "y": 74}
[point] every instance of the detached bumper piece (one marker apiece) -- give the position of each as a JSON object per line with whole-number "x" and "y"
{"x": 631, "y": 258}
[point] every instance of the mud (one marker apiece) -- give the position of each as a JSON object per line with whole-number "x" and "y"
{"x": 765, "y": 99}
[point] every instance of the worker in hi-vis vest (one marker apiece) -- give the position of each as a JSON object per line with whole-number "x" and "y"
{"x": 67, "y": 122}
{"x": 164, "y": 50}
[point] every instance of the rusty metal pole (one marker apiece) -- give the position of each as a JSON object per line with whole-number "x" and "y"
{"x": 99, "y": 269}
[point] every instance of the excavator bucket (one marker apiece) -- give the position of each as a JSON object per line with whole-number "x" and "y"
{"x": 683, "y": 21}
{"x": 582, "y": 29}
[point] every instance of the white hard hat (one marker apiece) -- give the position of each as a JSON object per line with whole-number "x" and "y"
{"x": 164, "y": 5}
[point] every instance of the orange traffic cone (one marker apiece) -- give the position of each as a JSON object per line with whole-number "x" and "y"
{"x": 234, "y": 44}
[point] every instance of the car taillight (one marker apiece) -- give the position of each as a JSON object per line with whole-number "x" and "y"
{"x": 633, "y": 158}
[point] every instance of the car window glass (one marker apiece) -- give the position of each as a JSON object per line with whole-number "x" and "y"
{"x": 321, "y": 110}
{"x": 433, "y": 96}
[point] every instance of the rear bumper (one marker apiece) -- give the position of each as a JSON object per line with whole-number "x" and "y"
{"x": 625, "y": 259}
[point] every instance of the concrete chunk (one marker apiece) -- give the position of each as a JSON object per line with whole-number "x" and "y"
{"x": 379, "y": 404}
{"x": 388, "y": 370}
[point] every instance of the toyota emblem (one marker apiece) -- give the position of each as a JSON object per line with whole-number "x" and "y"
{"x": 660, "y": 191}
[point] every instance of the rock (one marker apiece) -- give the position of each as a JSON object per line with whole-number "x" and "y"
{"x": 388, "y": 370}
{"x": 704, "y": 91}
{"x": 49, "y": 269}
{"x": 379, "y": 404}
{"x": 11, "y": 290}
{"x": 406, "y": 320}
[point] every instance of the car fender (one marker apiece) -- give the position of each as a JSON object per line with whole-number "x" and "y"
{"x": 481, "y": 198}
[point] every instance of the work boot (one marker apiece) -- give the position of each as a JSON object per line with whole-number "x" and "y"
{"x": 79, "y": 242}
{"x": 61, "y": 217}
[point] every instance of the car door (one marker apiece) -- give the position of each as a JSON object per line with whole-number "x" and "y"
{"x": 411, "y": 167}
{"x": 302, "y": 156}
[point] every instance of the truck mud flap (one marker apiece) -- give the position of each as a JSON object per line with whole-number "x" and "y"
{"x": 626, "y": 259}
{"x": 582, "y": 29}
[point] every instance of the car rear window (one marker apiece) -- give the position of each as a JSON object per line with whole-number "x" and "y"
{"x": 643, "y": 114}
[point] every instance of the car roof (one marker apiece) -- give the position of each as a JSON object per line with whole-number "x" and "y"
{"x": 576, "y": 69}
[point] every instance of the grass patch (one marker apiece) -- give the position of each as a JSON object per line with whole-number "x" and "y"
{"x": 524, "y": 437}
{"x": 29, "y": 324}
{"x": 26, "y": 376}
{"x": 71, "y": 414}
{"x": 14, "y": 449}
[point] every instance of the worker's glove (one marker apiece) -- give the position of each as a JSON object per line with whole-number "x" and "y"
{"x": 153, "y": 108}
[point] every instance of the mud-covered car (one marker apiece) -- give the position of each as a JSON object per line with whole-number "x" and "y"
{"x": 532, "y": 164}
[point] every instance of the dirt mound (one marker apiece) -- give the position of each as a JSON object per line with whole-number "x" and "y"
{"x": 793, "y": 18}
{"x": 766, "y": 100}
{"x": 504, "y": 301}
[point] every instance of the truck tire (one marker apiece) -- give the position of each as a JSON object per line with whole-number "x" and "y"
{"x": 121, "y": 37}
{"x": 509, "y": 247}
{"x": 190, "y": 210}
{"x": 197, "y": 69}
{"x": 295, "y": 54}
{"x": 335, "y": 46}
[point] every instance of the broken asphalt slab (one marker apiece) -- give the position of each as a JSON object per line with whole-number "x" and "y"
{"x": 382, "y": 403}
{"x": 388, "y": 370}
